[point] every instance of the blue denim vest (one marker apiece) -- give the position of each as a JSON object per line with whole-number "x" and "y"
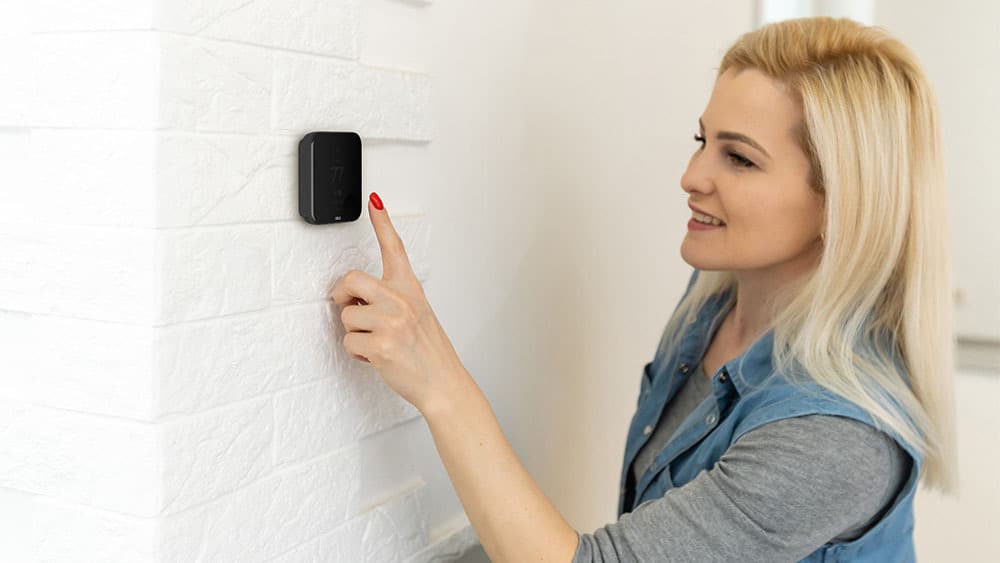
{"x": 745, "y": 395}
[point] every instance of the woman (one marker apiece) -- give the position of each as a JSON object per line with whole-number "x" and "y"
{"x": 819, "y": 309}
{"x": 803, "y": 384}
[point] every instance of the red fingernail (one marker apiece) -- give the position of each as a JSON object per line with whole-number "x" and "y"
{"x": 376, "y": 200}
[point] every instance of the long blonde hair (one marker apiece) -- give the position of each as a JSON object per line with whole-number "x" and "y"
{"x": 882, "y": 288}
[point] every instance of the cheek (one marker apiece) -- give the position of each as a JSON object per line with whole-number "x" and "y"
{"x": 788, "y": 228}
{"x": 774, "y": 229}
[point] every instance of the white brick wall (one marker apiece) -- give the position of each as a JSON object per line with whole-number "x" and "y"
{"x": 172, "y": 383}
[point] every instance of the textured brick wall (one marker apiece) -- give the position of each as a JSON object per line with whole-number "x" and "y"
{"x": 172, "y": 385}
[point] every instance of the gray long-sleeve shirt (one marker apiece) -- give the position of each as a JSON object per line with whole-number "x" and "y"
{"x": 777, "y": 494}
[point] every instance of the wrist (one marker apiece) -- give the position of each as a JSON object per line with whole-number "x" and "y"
{"x": 460, "y": 389}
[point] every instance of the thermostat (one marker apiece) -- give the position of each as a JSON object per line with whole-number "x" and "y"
{"x": 330, "y": 177}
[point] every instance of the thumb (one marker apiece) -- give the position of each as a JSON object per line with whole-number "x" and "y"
{"x": 395, "y": 262}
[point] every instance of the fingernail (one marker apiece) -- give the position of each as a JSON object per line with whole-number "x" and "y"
{"x": 376, "y": 200}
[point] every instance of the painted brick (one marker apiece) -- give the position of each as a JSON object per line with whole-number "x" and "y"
{"x": 15, "y": 147}
{"x": 396, "y": 528}
{"x": 386, "y": 533}
{"x": 205, "y": 179}
{"x": 16, "y": 75}
{"x": 314, "y": 94}
{"x": 342, "y": 544}
{"x": 17, "y": 514}
{"x": 214, "y": 453}
{"x": 315, "y": 26}
{"x": 88, "y": 459}
{"x": 309, "y": 259}
{"x": 334, "y": 412}
{"x": 102, "y": 177}
{"x": 210, "y": 85}
{"x": 269, "y": 517}
{"x": 94, "y": 15}
{"x": 175, "y": 387}
{"x": 212, "y": 271}
{"x": 72, "y": 533}
{"x": 448, "y": 542}
{"x": 86, "y": 272}
{"x": 201, "y": 365}
{"x": 106, "y": 80}
{"x": 80, "y": 365}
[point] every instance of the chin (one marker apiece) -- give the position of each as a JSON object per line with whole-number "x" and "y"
{"x": 705, "y": 266}
{"x": 700, "y": 262}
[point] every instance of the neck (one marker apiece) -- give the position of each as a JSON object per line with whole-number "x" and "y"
{"x": 751, "y": 312}
{"x": 758, "y": 293}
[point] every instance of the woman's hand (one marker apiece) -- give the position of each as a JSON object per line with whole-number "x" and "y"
{"x": 390, "y": 324}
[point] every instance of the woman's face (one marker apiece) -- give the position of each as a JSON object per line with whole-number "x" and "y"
{"x": 772, "y": 217}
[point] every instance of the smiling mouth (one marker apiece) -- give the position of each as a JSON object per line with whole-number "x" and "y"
{"x": 696, "y": 226}
{"x": 700, "y": 218}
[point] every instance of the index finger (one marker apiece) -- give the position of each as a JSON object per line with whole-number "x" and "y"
{"x": 395, "y": 262}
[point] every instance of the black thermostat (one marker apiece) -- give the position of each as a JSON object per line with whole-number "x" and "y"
{"x": 330, "y": 177}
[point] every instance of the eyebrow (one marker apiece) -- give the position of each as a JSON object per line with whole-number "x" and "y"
{"x": 734, "y": 136}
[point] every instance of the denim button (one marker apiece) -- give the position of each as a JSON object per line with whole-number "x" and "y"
{"x": 710, "y": 419}
{"x": 722, "y": 377}
{"x": 647, "y": 430}
{"x": 685, "y": 368}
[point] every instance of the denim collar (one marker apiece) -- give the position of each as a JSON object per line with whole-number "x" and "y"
{"x": 748, "y": 370}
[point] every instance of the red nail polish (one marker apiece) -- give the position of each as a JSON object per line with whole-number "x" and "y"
{"x": 376, "y": 200}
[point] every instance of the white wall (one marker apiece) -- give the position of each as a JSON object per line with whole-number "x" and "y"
{"x": 173, "y": 383}
{"x": 590, "y": 286}
{"x": 963, "y": 527}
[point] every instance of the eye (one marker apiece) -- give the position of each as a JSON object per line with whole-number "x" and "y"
{"x": 735, "y": 157}
{"x": 740, "y": 160}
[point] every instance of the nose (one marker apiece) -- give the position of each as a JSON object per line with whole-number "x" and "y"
{"x": 697, "y": 177}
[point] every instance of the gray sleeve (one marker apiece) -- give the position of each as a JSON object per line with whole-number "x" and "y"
{"x": 777, "y": 494}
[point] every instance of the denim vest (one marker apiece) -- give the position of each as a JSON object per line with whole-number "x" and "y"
{"x": 746, "y": 394}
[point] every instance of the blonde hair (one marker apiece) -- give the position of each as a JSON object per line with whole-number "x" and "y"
{"x": 882, "y": 288}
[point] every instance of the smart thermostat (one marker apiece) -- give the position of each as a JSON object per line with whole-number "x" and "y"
{"x": 330, "y": 177}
